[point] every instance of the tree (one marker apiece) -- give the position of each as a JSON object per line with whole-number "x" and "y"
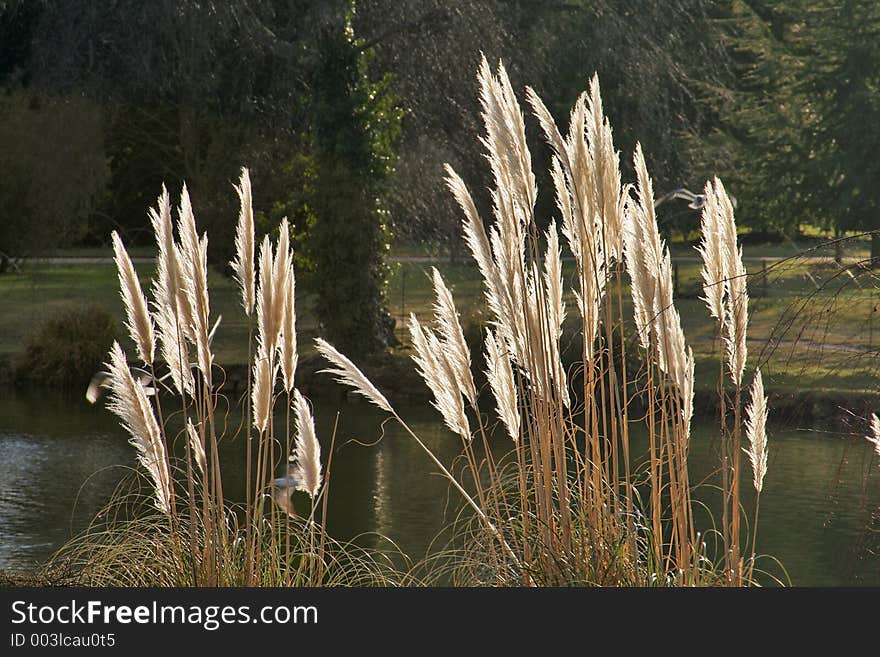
{"x": 54, "y": 170}
{"x": 354, "y": 124}
{"x": 845, "y": 80}
{"x": 653, "y": 62}
{"x": 799, "y": 127}
{"x": 190, "y": 91}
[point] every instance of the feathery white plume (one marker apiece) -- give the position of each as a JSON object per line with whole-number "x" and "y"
{"x": 500, "y": 375}
{"x": 756, "y": 431}
{"x": 440, "y": 375}
{"x": 263, "y": 388}
{"x": 243, "y": 264}
{"x": 348, "y": 374}
{"x": 195, "y": 443}
{"x": 737, "y": 315}
{"x": 712, "y": 250}
{"x": 194, "y": 266}
{"x": 128, "y": 400}
{"x": 452, "y": 336}
{"x": 289, "y": 356}
{"x": 138, "y": 320}
{"x": 307, "y": 469}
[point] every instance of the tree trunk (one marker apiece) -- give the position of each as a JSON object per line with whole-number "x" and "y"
{"x": 875, "y": 250}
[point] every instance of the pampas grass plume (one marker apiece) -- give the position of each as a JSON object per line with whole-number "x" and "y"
{"x": 756, "y": 431}
{"x": 138, "y": 321}
{"x": 243, "y": 263}
{"x": 348, "y": 374}
{"x": 307, "y": 469}
{"x": 874, "y": 438}
{"x": 128, "y": 400}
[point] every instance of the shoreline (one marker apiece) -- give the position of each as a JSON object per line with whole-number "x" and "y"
{"x": 395, "y": 375}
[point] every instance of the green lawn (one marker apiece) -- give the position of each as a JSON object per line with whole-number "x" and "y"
{"x": 38, "y": 290}
{"x": 814, "y": 325}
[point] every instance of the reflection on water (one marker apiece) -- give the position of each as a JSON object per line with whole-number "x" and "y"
{"x": 60, "y": 460}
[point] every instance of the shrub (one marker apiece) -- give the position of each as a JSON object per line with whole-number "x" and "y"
{"x": 67, "y": 347}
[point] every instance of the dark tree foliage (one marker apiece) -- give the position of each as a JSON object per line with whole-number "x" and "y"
{"x": 190, "y": 90}
{"x": 765, "y": 115}
{"x": 354, "y": 126}
{"x": 18, "y": 18}
{"x": 52, "y": 171}
{"x": 844, "y": 80}
{"x": 654, "y": 59}
{"x": 799, "y": 128}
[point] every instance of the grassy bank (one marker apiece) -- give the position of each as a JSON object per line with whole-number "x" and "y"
{"x": 814, "y": 325}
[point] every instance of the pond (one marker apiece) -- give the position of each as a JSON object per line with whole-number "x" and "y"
{"x": 60, "y": 460}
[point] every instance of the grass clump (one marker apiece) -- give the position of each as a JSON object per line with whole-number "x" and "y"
{"x": 66, "y": 347}
{"x": 568, "y": 505}
{"x": 168, "y": 395}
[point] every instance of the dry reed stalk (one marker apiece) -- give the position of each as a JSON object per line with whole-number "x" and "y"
{"x": 138, "y": 320}
{"x": 128, "y": 400}
{"x": 874, "y": 437}
{"x": 735, "y": 327}
{"x": 243, "y": 263}
{"x": 194, "y": 268}
{"x": 307, "y": 470}
{"x": 440, "y": 374}
{"x": 197, "y": 445}
{"x": 755, "y": 424}
{"x": 349, "y": 374}
{"x": 725, "y": 284}
{"x": 243, "y": 267}
{"x": 659, "y": 323}
{"x": 649, "y": 264}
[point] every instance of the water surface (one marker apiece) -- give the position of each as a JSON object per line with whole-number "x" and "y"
{"x": 60, "y": 460}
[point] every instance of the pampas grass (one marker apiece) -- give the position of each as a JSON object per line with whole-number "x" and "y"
{"x": 500, "y": 375}
{"x": 243, "y": 263}
{"x": 724, "y": 283}
{"x": 874, "y": 437}
{"x": 307, "y": 469}
{"x": 138, "y": 320}
{"x": 348, "y": 374}
{"x": 439, "y": 373}
{"x": 204, "y": 537}
{"x": 198, "y": 449}
{"x": 128, "y": 400}
{"x": 756, "y": 431}
{"x": 289, "y": 356}
{"x": 566, "y": 505}
{"x": 451, "y": 337}
{"x": 194, "y": 279}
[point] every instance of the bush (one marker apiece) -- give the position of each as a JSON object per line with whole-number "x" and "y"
{"x": 67, "y": 347}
